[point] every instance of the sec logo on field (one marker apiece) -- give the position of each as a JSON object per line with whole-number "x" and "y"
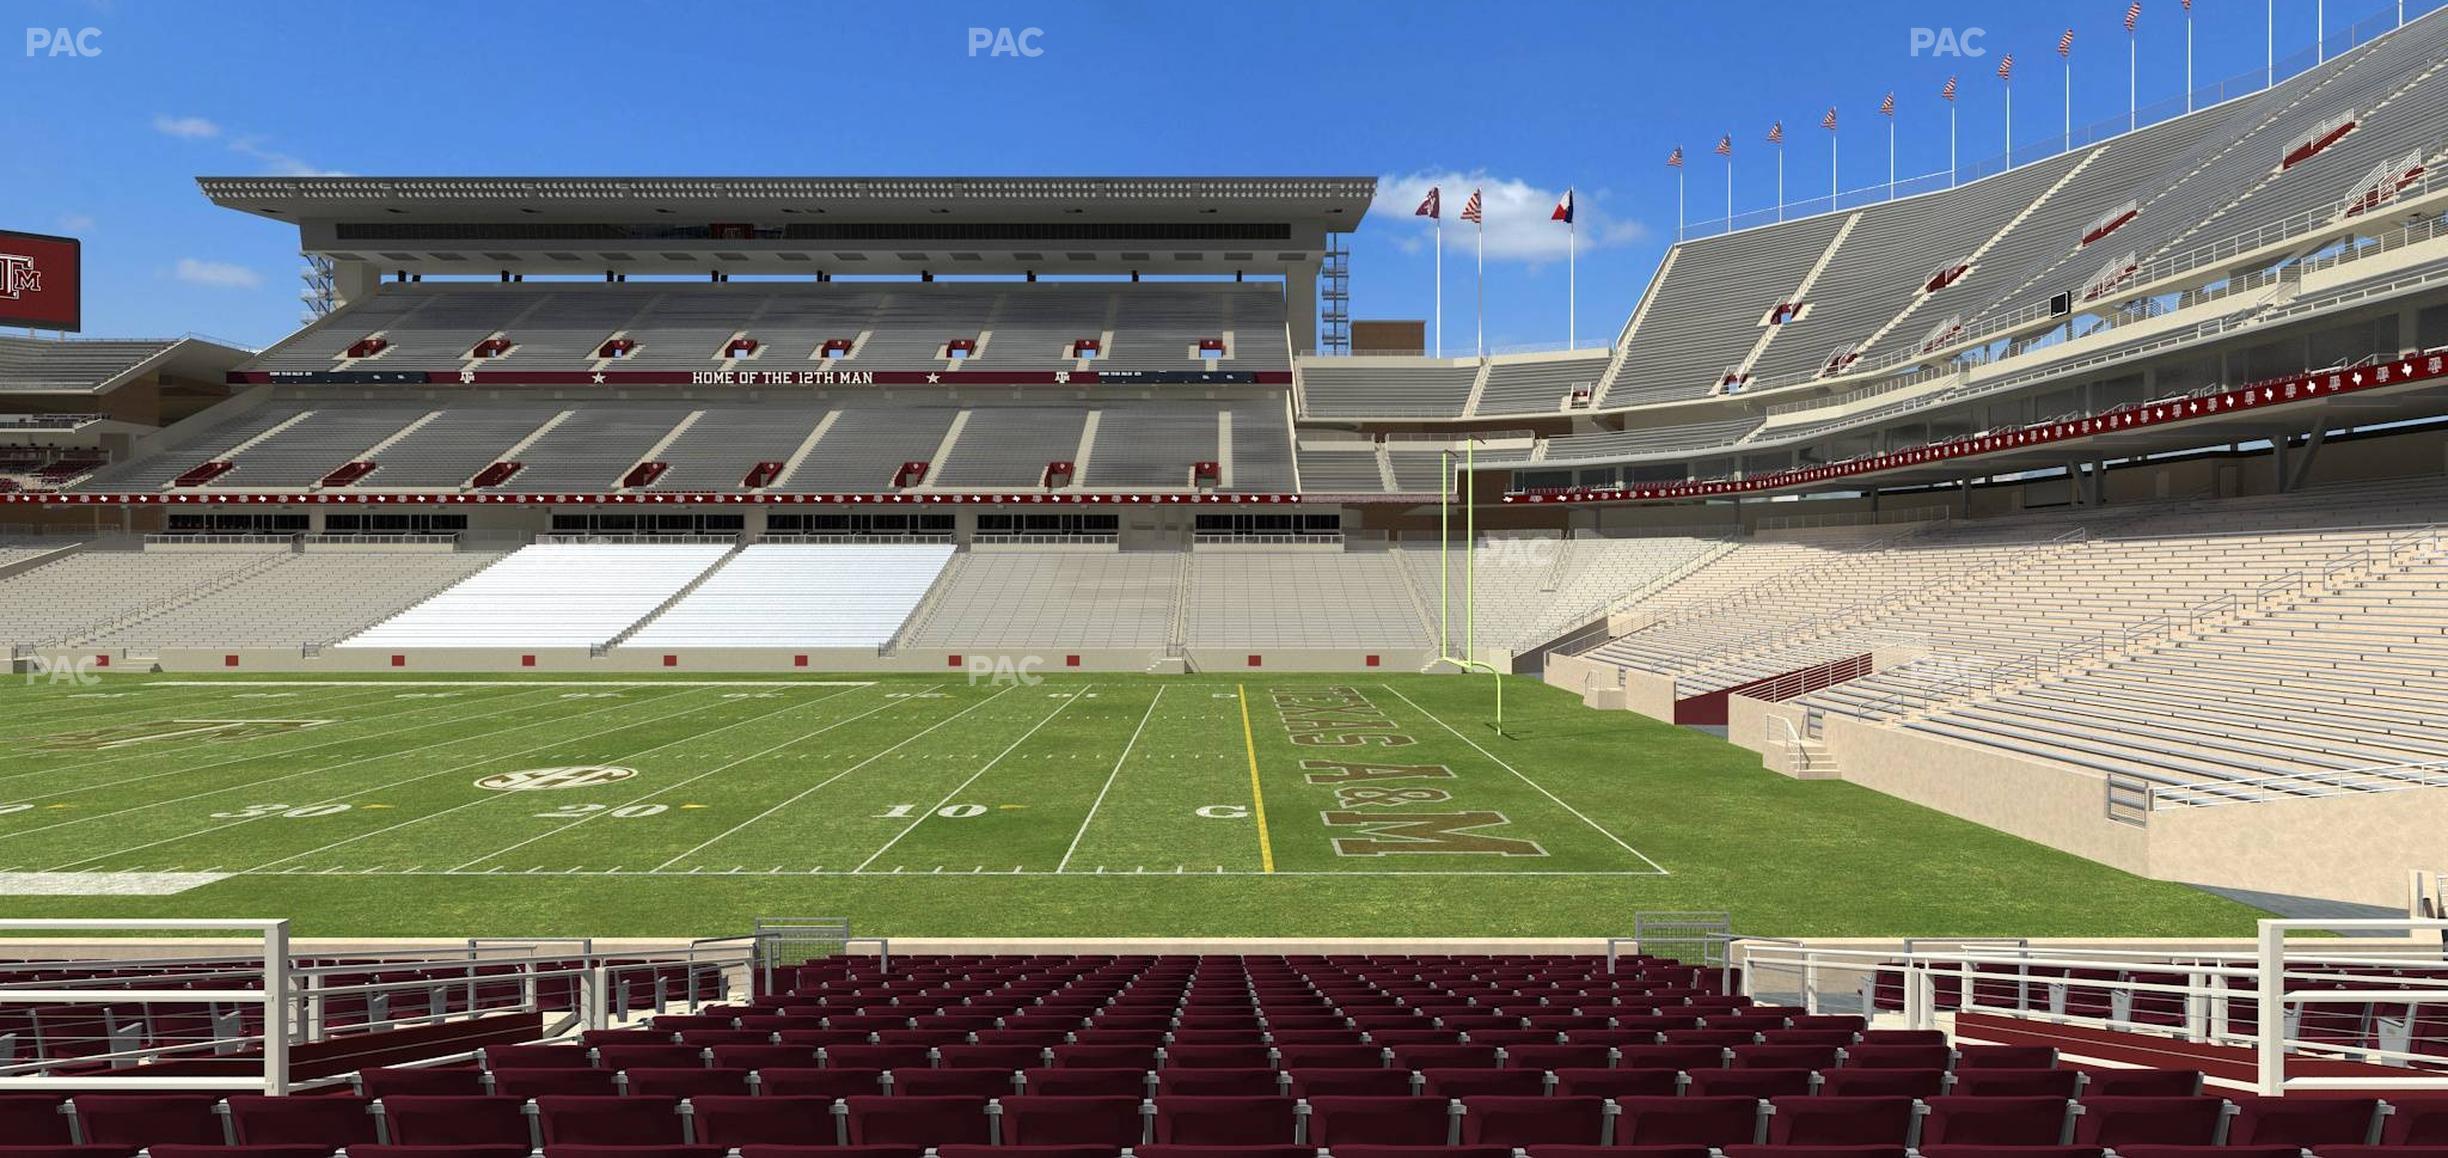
{"x": 543, "y": 779}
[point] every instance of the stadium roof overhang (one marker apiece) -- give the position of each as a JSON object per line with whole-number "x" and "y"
{"x": 845, "y": 226}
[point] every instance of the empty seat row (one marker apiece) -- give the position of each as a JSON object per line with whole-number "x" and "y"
{"x": 1124, "y": 1120}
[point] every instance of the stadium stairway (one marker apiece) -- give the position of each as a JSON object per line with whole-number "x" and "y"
{"x": 684, "y": 592}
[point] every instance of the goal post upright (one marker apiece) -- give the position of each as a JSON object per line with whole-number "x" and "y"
{"x": 1468, "y": 661}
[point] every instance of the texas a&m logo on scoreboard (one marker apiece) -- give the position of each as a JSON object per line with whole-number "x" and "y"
{"x": 38, "y": 282}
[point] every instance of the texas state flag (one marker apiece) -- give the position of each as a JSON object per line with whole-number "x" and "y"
{"x": 1564, "y": 209}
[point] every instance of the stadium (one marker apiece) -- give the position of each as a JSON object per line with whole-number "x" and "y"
{"x": 1957, "y": 671}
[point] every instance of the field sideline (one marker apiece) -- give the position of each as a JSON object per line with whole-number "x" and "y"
{"x": 1284, "y": 805}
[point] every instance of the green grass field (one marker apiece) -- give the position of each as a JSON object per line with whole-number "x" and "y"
{"x": 1112, "y": 806}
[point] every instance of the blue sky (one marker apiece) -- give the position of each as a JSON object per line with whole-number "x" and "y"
{"x": 1524, "y": 100}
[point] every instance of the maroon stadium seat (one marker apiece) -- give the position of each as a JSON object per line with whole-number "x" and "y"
{"x": 597, "y": 1121}
{"x": 1226, "y": 1121}
{"x": 972, "y": 1083}
{"x": 1988, "y": 1121}
{"x": 1849, "y": 1083}
{"x": 1527, "y": 1121}
{"x": 1382, "y": 1121}
{"x": 869, "y": 1121}
{"x": 1839, "y": 1121}
{"x": 2119, "y": 1121}
{"x": 148, "y": 1119}
{"x": 2017, "y": 1083}
{"x": 256, "y": 1120}
{"x": 1350, "y": 1083}
{"x": 1043, "y": 1120}
{"x": 1688, "y": 1121}
{"x": 1605, "y": 1083}
{"x": 454, "y": 1120}
{"x": 2305, "y": 1122}
{"x": 1217, "y": 1083}
{"x": 1468, "y": 1083}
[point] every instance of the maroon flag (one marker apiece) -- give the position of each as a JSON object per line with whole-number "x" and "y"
{"x": 1431, "y": 207}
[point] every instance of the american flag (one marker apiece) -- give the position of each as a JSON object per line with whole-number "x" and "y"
{"x": 1725, "y": 145}
{"x": 2133, "y": 13}
{"x": 1947, "y": 93}
{"x": 2065, "y": 43}
{"x": 1470, "y": 208}
{"x": 1776, "y": 133}
{"x": 1887, "y": 107}
{"x": 1828, "y": 122}
{"x": 2006, "y": 67}
{"x": 1674, "y": 160}
{"x": 1433, "y": 206}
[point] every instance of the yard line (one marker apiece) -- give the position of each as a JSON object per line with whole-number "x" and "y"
{"x": 973, "y": 777}
{"x": 139, "y": 752}
{"x": 500, "y": 795}
{"x": 810, "y": 790}
{"x": 274, "y": 780}
{"x": 132, "y": 704}
{"x": 795, "y": 740}
{"x": 379, "y": 787}
{"x": 1534, "y": 785}
{"x": 1266, "y": 843}
{"x": 1109, "y": 780}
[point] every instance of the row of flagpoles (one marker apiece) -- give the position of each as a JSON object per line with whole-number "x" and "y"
{"x": 1947, "y": 93}
{"x": 1474, "y": 211}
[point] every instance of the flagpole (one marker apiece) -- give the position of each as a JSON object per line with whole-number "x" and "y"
{"x": 2010, "y": 123}
{"x": 1951, "y": 172}
{"x": 2069, "y": 101}
{"x": 1679, "y": 216}
{"x": 1572, "y": 277}
{"x": 1831, "y": 170}
{"x": 1440, "y": 282}
{"x": 2269, "y": 43}
{"x": 2133, "y": 83}
{"x": 2188, "y": 58}
{"x": 1481, "y": 231}
{"x": 1891, "y": 188}
{"x": 1780, "y": 187}
{"x": 1730, "y": 190}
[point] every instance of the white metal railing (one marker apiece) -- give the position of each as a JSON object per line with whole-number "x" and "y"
{"x": 251, "y": 539}
{"x": 2298, "y": 785}
{"x": 2360, "y": 1000}
{"x": 1227, "y": 539}
{"x": 245, "y": 1012}
{"x": 425, "y": 539}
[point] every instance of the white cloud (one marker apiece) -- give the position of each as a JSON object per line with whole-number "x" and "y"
{"x": 217, "y": 274}
{"x": 186, "y": 128}
{"x": 278, "y": 163}
{"x": 247, "y": 145}
{"x": 1518, "y": 223}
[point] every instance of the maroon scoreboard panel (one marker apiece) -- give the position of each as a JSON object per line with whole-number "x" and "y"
{"x": 39, "y": 286}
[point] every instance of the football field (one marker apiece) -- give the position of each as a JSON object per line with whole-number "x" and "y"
{"x": 1080, "y": 805}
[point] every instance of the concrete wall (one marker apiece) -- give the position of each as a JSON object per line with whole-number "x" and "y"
{"x": 2054, "y": 804}
{"x": 2348, "y": 848}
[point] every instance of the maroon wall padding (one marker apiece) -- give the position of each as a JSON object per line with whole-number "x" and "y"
{"x": 1711, "y": 707}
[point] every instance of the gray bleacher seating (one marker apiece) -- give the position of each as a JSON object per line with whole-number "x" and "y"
{"x": 1151, "y": 445}
{"x": 302, "y": 454}
{"x": 593, "y": 447}
{"x": 1368, "y": 388}
{"x": 718, "y": 450}
{"x": 864, "y": 447}
{"x": 1009, "y": 446}
{"x": 1538, "y": 385}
